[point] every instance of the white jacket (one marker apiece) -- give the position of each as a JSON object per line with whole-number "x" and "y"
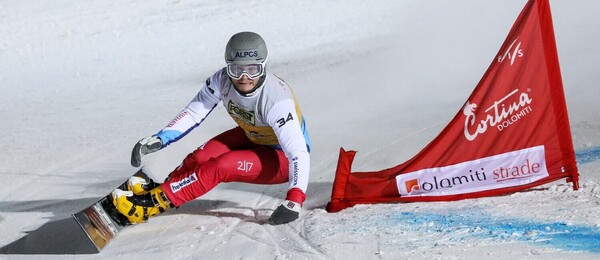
{"x": 270, "y": 116}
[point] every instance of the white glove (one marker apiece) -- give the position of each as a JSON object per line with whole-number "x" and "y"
{"x": 145, "y": 146}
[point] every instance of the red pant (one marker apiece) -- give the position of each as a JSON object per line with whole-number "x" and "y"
{"x": 228, "y": 157}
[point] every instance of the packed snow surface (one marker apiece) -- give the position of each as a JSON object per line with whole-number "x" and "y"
{"x": 82, "y": 81}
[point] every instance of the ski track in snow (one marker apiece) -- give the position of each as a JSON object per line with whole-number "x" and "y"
{"x": 587, "y": 155}
{"x": 471, "y": 225}
{"x": 400, "y": 229}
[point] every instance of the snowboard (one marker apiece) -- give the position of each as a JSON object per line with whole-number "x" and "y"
{"x": 101, "y": 221}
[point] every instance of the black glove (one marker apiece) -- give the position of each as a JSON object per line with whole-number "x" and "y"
{"x": 287, "y": 212}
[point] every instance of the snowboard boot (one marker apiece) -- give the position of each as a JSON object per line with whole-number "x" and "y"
{"x": 138, "y": 208}
{"x": 287, "y": 212}
{"x": 141, "y": 184}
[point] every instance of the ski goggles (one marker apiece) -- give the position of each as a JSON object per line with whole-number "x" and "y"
{"x": 252, "y": 71}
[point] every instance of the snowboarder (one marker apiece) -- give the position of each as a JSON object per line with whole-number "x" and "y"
{"x": 270, "y": 144}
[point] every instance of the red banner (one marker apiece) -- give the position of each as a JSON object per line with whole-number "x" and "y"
{"x": 512, "y": 134}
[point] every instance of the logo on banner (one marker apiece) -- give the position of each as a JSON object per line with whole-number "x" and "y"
{"x": 502, "y": 114}
{"x": 177, "y": 186}
{"x": 512, "y": 53}
{"x": 412, "y": 185}
{"x": 500, "y": 171}
{"x": 415, "y": 186}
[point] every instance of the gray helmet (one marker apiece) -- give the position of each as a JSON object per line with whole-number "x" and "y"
{"x": 246, "y": 48}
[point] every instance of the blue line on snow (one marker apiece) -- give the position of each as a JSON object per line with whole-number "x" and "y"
{"x": 475, "y": 225}
{"x": 587, "y": 155}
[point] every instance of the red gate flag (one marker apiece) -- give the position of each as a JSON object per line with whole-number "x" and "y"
{"x": 512, "y": 134}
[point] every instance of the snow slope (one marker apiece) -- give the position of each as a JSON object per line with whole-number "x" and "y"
{"x": 82, "y": 81}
